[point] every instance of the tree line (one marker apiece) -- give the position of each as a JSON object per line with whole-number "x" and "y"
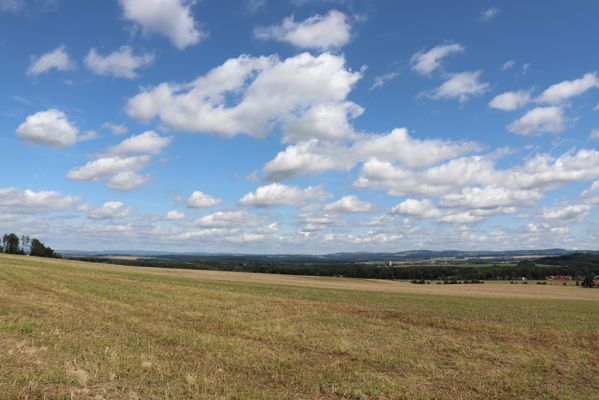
{"x": 13, "y": 244}
{"x": 579, "y": 265}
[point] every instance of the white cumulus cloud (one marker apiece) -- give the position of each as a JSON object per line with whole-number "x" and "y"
{"x": 57, "y": 59}
{"x": 490, "y": 197}
{"x": 115, "y": 129}
{"x": 417, "y": 208}
{"x": 411, "y": 152}
{"x": 276, "y": 194}
{"x": 316, "y": 156}
{"x": 475, "y": 181}
{"x": 425, "y": 62}
{"x": 349, "y": 204}
{"x": 171, "y": 18}
{"x": 48, "y": 128}
{"x": 568, "y": 213}
{"x": 106, "y": 166}
{"x": 540, "y": 120}
{"x": 202, "y": 200}
{"x": 301, "y": 92}
{"x": 562, "y": 91}
{"x": 323, "y": 32}
{"x": 120, "y": 165}
{"x": 510, "y": 101}
{"x": 148, "y": 142}
{"x": 310, "y": 157}
{"x": 226, "y": 219}
{"x": 461, "y": 86}
{"x": 127, "y": 180}
{"x": 109, "y": 210}
{"x": 16, "y": 201}
{"x": 122, "y": 63}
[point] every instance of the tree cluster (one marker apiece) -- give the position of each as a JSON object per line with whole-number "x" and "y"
{"x": 12, "y": 244}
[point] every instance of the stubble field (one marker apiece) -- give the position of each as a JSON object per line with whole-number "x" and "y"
{"x": 92, "y": 331}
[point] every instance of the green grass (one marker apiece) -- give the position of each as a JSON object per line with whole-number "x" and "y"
{"x": 74, "y": 331}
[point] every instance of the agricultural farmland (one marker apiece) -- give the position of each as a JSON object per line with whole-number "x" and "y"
{"x": 76, "y": 330}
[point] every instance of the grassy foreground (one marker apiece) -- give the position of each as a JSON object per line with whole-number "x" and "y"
{"x": 88, "y": 331}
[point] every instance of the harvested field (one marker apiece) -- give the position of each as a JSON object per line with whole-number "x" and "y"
{"x": 92, "y": 331}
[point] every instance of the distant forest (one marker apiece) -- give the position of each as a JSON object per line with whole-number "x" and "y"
{"x": 13, "y": 244}
{"x": 576, "y": 265}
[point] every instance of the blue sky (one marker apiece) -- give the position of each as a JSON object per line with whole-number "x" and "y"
{"x": 300, "y": 126}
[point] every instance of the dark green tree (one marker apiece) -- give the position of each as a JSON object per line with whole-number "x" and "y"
{"x": 587, "y": 282}
{"x": 38, "y": 249}
{"x": 10, "y": 244}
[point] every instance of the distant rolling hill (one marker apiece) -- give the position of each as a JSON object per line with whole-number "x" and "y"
{"x": 345, "y": 257}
